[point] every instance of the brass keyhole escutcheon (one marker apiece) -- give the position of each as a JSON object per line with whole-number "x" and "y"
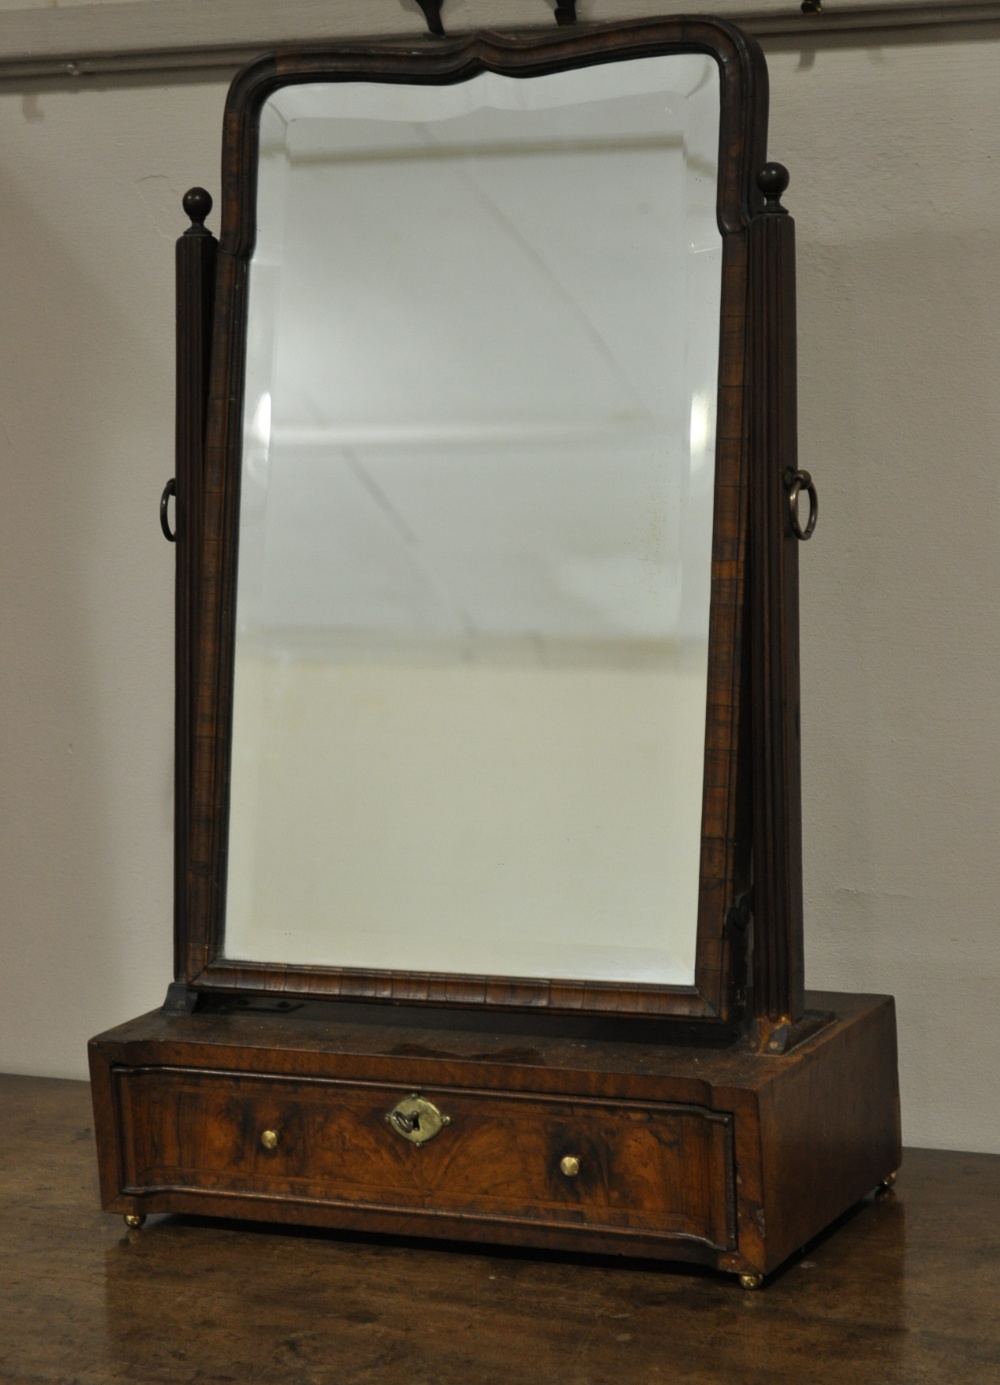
{"x": 569, "y": 1164}
{"x": 417, "y": 1119}
{"x": 269, "y": 1139}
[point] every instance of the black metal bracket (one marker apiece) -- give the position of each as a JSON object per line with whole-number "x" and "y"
{"x": 170, "y": 489}
{"x": 432, "y": 13}
{"x": 740, "y": 916}
{"x": 180, "y": 999}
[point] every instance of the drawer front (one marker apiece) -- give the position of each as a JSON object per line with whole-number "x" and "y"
{"x": 666, "y": 1169}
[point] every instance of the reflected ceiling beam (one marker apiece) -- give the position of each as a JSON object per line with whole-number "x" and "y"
{"x": 439, "y": 153}
{"x": 177, "y": 39}
{"x": 456, "y": 435}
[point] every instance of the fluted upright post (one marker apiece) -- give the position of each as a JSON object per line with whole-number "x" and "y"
{"x": 778, "y": 982}
{"x": 195, "y": 271}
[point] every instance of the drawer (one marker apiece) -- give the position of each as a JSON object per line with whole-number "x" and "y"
{"x": 665, "y": 1169}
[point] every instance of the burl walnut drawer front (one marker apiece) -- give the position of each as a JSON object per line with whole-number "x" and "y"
{"x": 666, "y": 1169}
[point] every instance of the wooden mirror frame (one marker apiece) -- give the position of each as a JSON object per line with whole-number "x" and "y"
{"x": 750, "y": 813}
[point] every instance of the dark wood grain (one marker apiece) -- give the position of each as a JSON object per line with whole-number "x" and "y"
{"x": 902, "y": 1293}
{"x": 725, "y": 1157}
{"x": 646, "y": 1168}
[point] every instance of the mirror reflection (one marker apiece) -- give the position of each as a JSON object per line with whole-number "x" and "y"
{"x": 476, "y": 524}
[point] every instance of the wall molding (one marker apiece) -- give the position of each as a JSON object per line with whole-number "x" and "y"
{"x": 182, "y": 38}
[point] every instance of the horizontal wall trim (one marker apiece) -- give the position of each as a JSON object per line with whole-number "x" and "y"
{"x": 177, "y": 39}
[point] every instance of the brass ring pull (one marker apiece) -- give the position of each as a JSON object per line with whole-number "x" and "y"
{"x": 797, "y": 481}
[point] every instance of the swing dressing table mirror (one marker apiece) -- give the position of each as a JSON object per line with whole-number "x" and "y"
{"x": 488, "y": 869}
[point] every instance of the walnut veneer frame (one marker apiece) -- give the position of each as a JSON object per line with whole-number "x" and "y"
{"x": 750, "y": 809}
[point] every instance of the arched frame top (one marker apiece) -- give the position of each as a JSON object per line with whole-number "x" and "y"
{"x": 438, "y": 62}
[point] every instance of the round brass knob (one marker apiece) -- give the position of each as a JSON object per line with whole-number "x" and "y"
{"x": 569, "y": 1164}
{"x": 269, "y": 1139}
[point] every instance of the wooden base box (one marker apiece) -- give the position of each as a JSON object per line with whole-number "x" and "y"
{"x": 570, "y": 1140}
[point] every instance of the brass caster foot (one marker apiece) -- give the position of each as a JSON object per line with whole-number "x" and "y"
{"x": 751, "y": 1281}
{"x": 133, "y": 1220}
{"x": 886, "y": 1186}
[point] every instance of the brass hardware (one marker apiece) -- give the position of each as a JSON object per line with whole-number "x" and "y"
{"x": 569, "y": 1165}
{"x": 886, "y": 1186}
{"x": 416, "y": 1119}
{"x": 269, "y": 1139}
{"x": 796, "y": 481}
{"x": 751, "y": 1281}
{"x": 133, "y": 1220}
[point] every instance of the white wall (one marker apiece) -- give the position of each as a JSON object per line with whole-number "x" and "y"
{"x": 91, "y": 181}
{"x": 896, "y": 193}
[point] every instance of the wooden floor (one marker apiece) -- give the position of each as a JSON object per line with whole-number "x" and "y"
{"x": 905, "y": 1289}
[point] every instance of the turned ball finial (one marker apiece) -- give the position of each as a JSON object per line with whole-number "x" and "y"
{"x": 197, "y": 204}
{"x": 772, "y": 181}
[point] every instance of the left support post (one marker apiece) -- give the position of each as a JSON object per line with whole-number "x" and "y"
{"x": 197, "y": 251}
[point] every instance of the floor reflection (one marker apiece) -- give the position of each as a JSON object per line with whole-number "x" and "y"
{"x": 264, "y": 1302}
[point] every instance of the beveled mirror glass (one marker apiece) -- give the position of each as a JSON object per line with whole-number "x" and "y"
{"x": 476, "y": 525}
